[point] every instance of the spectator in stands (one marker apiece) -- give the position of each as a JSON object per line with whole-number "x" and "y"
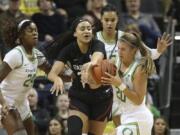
{"x": 55, "y": 127}
{"x": 13, "y": 14}
{"x": 62, "y": 105}
{"x": 50, "y": 23}
{"x": 29, "y": 7}
{"x": 160, "y": 126}
{"x": 149, "y": 29}
{"x": 94, "y": 8}
{"x": 40, "y": 115}
{"x": 3, "y": 5}
{"x": 74, "y": 8}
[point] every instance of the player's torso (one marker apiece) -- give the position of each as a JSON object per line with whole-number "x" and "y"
{"x": 21, "y": 78}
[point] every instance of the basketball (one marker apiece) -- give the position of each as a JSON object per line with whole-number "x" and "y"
{"x": 103, "y": 66}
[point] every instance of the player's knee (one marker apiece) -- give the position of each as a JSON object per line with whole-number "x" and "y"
{"x": 21, "y": 132}
{"x": 75, "y": 125}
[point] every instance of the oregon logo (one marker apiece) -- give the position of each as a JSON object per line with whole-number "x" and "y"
{"x": 127, "y": 131}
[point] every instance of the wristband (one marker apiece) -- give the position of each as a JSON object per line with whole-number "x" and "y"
{"x": 122, "y": 87}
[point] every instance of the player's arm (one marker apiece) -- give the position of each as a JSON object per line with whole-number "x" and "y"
{"x": 96, "y": 57}
{"x": 57, "y": 68}
{"x": 136, "y": 95}
{"x": 162, "y": 44}
{"x": 4, "y": 70}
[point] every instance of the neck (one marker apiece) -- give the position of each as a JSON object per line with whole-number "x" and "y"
{"x": 33, "y": 107}
{"x": 63, "y": 114}
{"x": 127, "y": 63}
{"x": 109, "y": 37}
{"x": 134, "y": 14}
{"x": 28, "y": 49}
{"x": 83, "y": 46}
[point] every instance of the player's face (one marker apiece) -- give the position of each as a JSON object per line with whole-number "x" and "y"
{"x": 159, "y": 126}
{"x": 126, "y": 52}
{"x": 30, "y": 35}
{"x": 83, "y": 32}
{"x": 55, "y": 127}
{"x": 109, "y": 21}
{"x": 133, "y": 5}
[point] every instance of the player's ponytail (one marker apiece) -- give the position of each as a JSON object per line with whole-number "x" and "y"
{"x": 146, "y": 61}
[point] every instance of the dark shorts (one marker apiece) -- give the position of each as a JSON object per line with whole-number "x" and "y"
{"x": 97, "y": 105}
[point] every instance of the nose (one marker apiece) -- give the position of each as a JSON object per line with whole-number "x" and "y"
{"x": 109, "y": 22}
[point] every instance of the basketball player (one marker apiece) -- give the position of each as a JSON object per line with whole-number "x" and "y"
{"x": 17, "y": 73}
{"x": 109, "y": 35}
{"x": 90, "y": 106}
{"x": 131, "y": 82}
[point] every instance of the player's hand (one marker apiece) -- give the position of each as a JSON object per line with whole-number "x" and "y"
{"x": 163, "y": 42}
{"x": 58, "y": 86}
{"x": 111, "y": 80}
{"x": 85, "y": 72}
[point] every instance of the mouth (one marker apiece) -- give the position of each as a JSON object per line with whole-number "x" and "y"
{"x": 35, "y": 38}
{"x": 109, "y": 28}
{"x": 87, "y": 36}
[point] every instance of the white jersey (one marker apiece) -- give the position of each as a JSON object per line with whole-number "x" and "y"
{"x": 111, "y": 48}
{"x": 19, "y": 81}
{"x": 112, "y": 53}
{"x": 131, "y": 113}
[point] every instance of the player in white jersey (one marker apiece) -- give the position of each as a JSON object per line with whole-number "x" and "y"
{"x": 109, "y": 36}
{"x": 17, "y": 74}
{"x": 131, "y": 82}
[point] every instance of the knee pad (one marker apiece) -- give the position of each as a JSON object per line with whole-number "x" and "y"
{"x": 20, "y": 132}
{"x": 75, "y": 125}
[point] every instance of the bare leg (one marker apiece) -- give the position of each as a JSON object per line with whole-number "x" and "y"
{"x": 12, "y": 122}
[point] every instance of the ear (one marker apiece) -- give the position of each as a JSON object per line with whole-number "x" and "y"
{"x": 75, "y": 35}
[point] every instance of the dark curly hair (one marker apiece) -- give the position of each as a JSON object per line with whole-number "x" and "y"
{"x": 12, "y": 30}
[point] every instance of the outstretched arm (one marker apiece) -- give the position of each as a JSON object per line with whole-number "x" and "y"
{"x": 53, "y": 76}
{"x": 162, "y": 44}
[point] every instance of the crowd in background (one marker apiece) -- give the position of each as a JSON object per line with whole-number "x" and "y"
{"x": 53, "y": 18}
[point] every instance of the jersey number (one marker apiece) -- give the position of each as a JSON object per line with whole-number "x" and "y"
{"x": 121, "y": 95}
{"x": 29, "y": 82}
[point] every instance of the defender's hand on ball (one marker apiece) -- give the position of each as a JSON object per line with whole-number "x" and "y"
{"x": 111, "y": 80}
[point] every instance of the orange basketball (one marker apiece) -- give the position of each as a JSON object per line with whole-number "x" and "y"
{"x": 99, "y": 70}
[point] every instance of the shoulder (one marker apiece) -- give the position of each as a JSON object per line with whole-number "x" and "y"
{"x": 97, "y": 42}
{"x": 139, "y": 72}
{"x": 15, "y": 52}
{"x": 120, "y": 33}
{"x": 98, "y": 34}
{"x": 147, "y": 16}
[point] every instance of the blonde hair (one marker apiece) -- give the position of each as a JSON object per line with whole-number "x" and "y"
{"x": 135, "y": 41}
